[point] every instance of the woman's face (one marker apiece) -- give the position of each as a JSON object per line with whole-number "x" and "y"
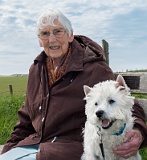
{"x": 55, "y": 40}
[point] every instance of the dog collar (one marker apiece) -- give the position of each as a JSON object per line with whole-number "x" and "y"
{"x": 120, "y": 131}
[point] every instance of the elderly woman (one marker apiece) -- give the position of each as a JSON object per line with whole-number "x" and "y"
{"x": 52, "y": 117}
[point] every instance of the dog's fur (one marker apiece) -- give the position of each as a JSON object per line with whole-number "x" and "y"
{"x": 108, "y": 109}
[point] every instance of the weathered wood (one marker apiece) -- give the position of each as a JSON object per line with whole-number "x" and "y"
{"x": 143, "y": 104}
{"x": 1, "y": 147}
{"x": 11, "y": 90}
{"x": 105, "y": 46}
{"x": 137, "y": 82}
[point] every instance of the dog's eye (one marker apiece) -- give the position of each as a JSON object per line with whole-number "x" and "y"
{"x": 96, "y": 103}
{"x": 111, "y": 101}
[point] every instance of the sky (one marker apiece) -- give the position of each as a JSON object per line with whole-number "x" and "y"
{"x": 122, "y": 23}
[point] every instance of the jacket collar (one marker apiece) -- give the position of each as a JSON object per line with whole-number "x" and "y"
{"x": 40, "y": 58}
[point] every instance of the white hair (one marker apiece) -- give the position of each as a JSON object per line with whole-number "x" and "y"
{"x": 47, "y": 19}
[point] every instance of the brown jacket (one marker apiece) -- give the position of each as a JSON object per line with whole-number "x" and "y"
{"x": 59, "y": 111}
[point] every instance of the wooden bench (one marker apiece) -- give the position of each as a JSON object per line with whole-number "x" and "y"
{"x": 137, "y": 82}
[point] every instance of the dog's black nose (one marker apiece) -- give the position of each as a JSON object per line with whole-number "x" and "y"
{"x": 99, "y": 113}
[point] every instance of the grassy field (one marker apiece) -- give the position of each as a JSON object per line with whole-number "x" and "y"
{"x": 18, "y": 84}
{"x": 10, "y": 105}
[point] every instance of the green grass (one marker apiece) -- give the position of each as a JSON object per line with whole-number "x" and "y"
{"x": 143, "y": 153}
{"x": 9, "y": 107}
{"x": 144, "y": 96}
{"x": 18, "y": 84}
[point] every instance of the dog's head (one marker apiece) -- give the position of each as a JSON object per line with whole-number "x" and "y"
{"x": 108, "y": 104}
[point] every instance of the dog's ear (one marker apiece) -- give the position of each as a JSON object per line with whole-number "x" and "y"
{"x": 122, "y": 82}
{"x": 87, "y": 89}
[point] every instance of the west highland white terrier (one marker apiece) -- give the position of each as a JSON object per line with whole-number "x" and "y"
{"x": 109, "y": 117}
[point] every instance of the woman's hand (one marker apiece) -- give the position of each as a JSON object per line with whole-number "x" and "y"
{"x": 132, "y": 142}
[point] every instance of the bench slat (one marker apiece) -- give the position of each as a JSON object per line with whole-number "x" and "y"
{"x": 137, "y": 82}
{"x": 143, "y": 104}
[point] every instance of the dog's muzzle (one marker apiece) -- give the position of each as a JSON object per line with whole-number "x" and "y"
{"x": 106, "y": 123}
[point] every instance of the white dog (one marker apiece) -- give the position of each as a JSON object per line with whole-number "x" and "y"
{"x": 109, "y": 117}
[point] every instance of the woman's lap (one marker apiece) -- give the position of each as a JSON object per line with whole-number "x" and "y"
{"x": 21, "y": 153}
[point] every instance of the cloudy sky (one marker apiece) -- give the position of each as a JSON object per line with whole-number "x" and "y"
{"x": 122, "y": 23}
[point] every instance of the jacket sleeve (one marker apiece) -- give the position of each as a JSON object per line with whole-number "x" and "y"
{"x": 101, "y": 73}
{"x": 140, "y": 124}
{"x": 22, "y": 129}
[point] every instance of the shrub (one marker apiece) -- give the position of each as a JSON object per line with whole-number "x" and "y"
{"x": 8, "y": 114}
{"x": 143, "y": 153}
